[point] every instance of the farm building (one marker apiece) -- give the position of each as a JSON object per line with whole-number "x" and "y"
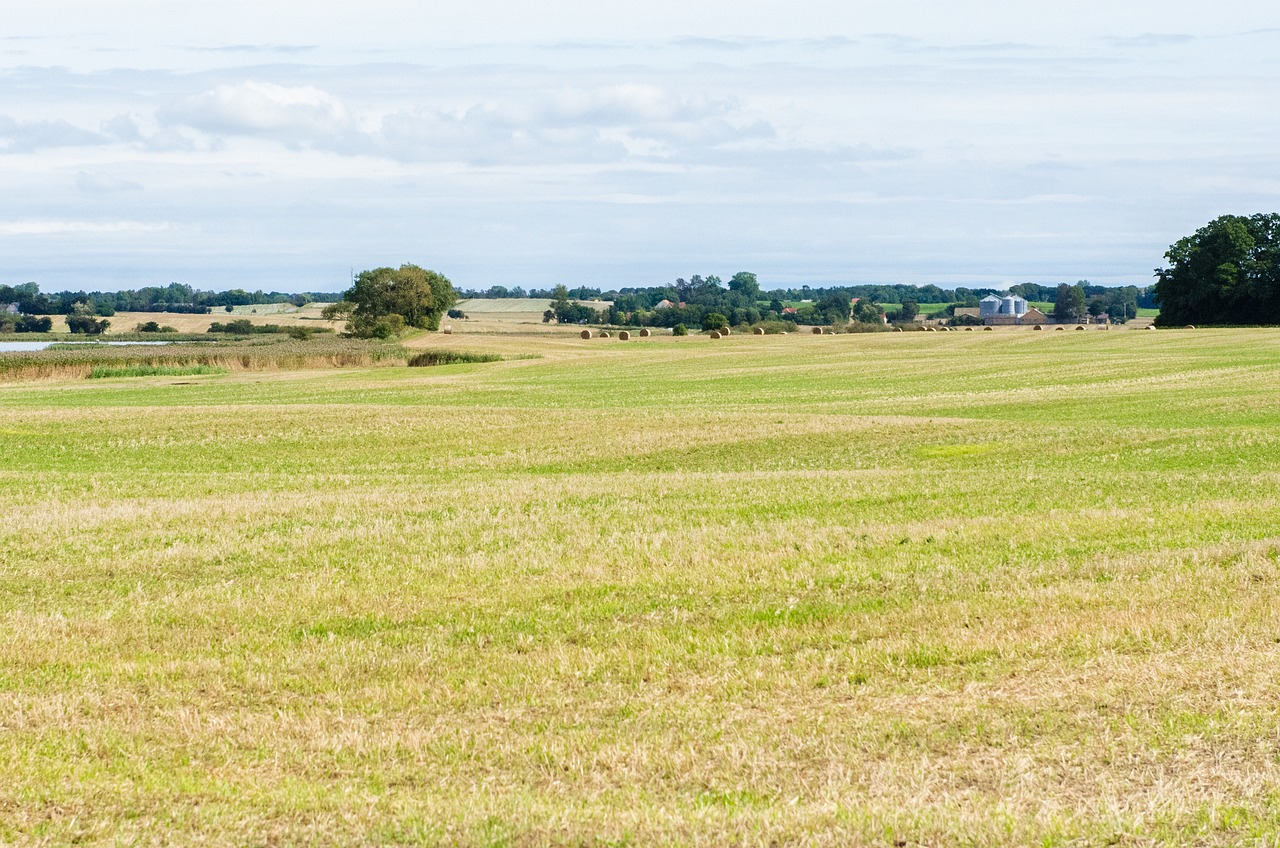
{"x": 1026, "y": 318}
{"x": 1010, "y": 305}
{"x": 10, "y": 309}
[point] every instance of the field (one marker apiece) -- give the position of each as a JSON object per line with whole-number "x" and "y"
{"x": 999, "y": 588}
{"x": 272, "y": 313}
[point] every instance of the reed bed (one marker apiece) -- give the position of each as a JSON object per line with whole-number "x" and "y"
{"x": 266, "y": 354}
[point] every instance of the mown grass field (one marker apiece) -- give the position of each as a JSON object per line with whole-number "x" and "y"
{"x": 955, "y": 588}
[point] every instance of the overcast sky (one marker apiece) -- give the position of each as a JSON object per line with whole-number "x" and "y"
{"x": 278, "y": 145}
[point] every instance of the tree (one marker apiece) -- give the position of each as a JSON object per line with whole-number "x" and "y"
{"x": 386, "y": 300}
{"x": 1069, "y": 306}
{"x": 745, "y": 283}
{"x": 1228, "y": 272}
{"x": 910, "y": 309}
{"x": 714, "y": 321}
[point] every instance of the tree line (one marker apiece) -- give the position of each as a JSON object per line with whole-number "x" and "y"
{"x": 173, "y": 298}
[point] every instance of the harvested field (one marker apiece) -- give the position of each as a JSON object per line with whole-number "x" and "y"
{"x": 894, "y": 589}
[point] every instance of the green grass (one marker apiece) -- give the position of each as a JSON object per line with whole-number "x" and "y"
{"x": 1001, "y": 588}
{"x": 104, "y": 371}
{"x": 428, "y": 358}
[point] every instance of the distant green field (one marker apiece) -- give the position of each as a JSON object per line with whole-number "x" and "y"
{"x": 514, "y": 305}
{"x": 258, "y": 309}
{"x": 1007, "y": 588}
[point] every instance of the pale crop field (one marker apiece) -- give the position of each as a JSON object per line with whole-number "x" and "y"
{"x": 894, "y": 589}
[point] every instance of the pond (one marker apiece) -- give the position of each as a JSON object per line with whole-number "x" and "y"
{"x": 12, "y": 347}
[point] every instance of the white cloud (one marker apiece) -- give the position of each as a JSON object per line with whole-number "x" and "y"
{"x": 294, "y": 114}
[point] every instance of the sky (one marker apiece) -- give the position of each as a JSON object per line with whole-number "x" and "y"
{"x": 280, "y": 145}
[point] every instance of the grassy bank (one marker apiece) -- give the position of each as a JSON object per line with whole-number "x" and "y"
{"x": 950, "y": 588}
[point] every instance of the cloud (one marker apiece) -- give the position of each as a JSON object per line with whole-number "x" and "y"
{"x": 257, "y": 48}
{"x": 65, "y": 227}
{"x": 104, "y": 184}
{"x": 1153, "y": 39}
{"x": 291, "y": 114}
{"x": 30, "y": 136}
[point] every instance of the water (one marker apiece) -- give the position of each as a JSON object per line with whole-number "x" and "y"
{"x": 11, "y": 347}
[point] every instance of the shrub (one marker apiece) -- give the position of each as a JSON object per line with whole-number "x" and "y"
{"x": 87, "y": 325}
{"x": 153, "y": 327}
{"x": 429, "y": 358}
{"x": 679, "y": 330}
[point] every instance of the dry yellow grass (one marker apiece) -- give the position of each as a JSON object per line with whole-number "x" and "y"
{"x": 896, "y": 588}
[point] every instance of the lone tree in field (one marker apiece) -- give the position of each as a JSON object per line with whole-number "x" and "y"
{"x": 386, "y": 300}
{"x": 1228, "y": 272}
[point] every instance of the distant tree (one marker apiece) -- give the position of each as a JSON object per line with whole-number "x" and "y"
{"x": 867, "y": 311}
{"x": 1227, "y": 272}
{"x": 745, "y": 284}
{"x": 1069, "y": 306}
{"x": 714, "y": 321}
{"x": 386, "y": 300}
{"x": 910, "y": 309}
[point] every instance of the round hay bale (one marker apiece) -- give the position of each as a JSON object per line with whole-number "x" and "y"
{"x": 987, "y": 329}
{"x": 1037, "y": 328}
{"x": 604, "y": 334}
{"x": 725, "y": 331}
{"x": 644, "y": 334}
{"x": 759, "y": 331}
{"x": 715, "y": 334}
{"x": 586, "y": 334}
{"x": 1079, "y": 328}
{"x": 624, "y": 336}
{"x": 930, "y": 330}
{"x": 1059, "y": 329}
{"x": 1149, "y": 327}
{"x": 448, "y": 331}
{"x": 784, "y": 332}
{"x": 817, "y": 331}
{"x": 1189, "y": 327}
{"x": 968, "y": 329}
{"x": 897, "y": 329}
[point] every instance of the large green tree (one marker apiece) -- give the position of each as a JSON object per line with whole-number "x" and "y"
{"x": 1069, "y": 307}
{"x": 386, "y": 300}
{"x": 1228, "y": 272}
